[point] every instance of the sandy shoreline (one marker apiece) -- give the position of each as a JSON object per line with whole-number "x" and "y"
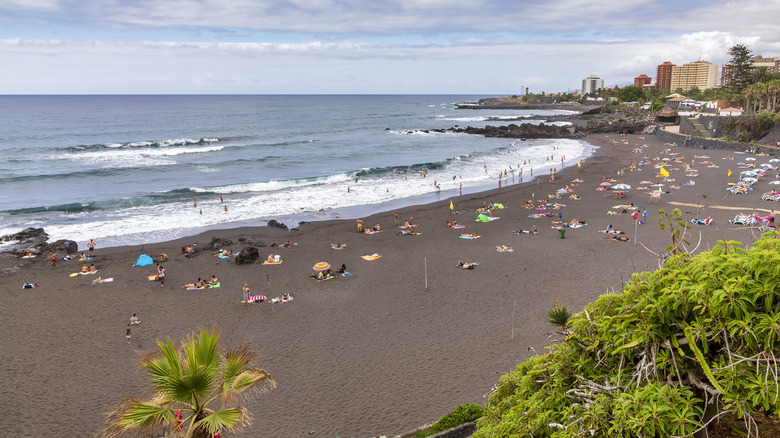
{"x": 370, "y": 354}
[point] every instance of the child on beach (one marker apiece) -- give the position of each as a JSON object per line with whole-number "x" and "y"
{"x": 128, "y": 336}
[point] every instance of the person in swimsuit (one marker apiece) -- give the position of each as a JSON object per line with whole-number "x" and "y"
{"x": 91, "y": 246}
{"x": 128, "y": 334}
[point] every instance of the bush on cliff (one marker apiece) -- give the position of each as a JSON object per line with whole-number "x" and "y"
{"x": 678, "y": 349}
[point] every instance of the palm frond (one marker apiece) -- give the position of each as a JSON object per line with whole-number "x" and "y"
{"x": 235, "y": 362}
{"x": 231, "y": 420}
{"x": 135, "y": 414}
{"x": 250, "y": 383}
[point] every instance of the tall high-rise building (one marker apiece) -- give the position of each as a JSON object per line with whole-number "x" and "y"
{"x": 700, "y": 74}
{"x": 663, "y": 76}
{"x": 773, "y": 64}
{"x": 642, "y": 80}
{"x": 592, "y": 84}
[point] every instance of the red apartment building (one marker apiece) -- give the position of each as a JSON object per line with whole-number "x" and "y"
{"x": 663, "y": 77}
{"x": 642, "y": 80}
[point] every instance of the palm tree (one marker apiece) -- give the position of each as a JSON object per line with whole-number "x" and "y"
{"x": 774, "y": 90}
{"x": 761, "y": 74}
{"x": 189, "y": 380}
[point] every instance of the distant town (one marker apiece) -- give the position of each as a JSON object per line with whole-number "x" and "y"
{"x": 748, "y": 84}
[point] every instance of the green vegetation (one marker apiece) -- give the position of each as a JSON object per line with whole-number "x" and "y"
{"x": 191, "y": 379}
{"x": 678, "y": 349}
{"x": 740, "y": 68}
{"x": 460, "y": 415}
{"x": 559, "y": 315}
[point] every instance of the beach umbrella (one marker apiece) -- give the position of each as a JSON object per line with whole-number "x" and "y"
{"x": 774, "y": 160}
{"x": 621, "y": 187}
{"x": 768, "y": 166}
{"x": 750, "y": 159}
{"x": 750, "y": 180}
{"x": 605, "y": 184}
{"x": 775, "y": 182}
{"x": 748, "y": 173}
{"x": 321, "y": 266}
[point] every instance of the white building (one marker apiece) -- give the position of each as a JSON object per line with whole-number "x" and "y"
{"x": 591, "y": 84}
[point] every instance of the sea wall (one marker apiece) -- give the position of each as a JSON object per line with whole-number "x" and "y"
{"x": 706, "y": 143}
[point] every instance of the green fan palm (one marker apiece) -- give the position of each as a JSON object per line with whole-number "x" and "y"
{"x": 191, "y": 379}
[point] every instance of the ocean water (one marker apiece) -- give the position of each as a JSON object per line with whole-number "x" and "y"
{"x": 129, "y": 169}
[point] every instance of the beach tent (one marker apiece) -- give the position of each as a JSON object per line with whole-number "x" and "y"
{"x": 498, "y": 206}
{"x": 483, "y": 218}
{"x": 144, "y": 260}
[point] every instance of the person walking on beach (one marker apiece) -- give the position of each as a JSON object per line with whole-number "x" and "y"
{"x": 246, "y": 295}
{"x": 53, "y": 260}
{"x": 91, "y": 246}
{"x": 127, "y": 335}
{"x": 395, "y": 217}
{"x": 161, "y": 275}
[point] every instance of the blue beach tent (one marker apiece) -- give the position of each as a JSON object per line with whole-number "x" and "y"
{"x": 144, "y": 260}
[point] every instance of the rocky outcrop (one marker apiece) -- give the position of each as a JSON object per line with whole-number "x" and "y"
{"x": 274, "y": 223}
{"x": 31, "y": 238}
{"x": 64, "y": 246}
{"x": 526, "y": 131}
{"x": 248, "y": 255}
{"x": 217, "y": 243}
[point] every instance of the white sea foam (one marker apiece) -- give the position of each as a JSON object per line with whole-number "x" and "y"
{"x": 257, "y": 202}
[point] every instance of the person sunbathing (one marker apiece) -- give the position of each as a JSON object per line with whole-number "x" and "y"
{"x": 213, "y": 280}
{"x": 270, "y": 258}
{"x": 287, "y": 244}
{"x": 84, "y": 269}
{"x": 92, "y": 268}
{"x": 375, "y": 228}
{"x": 82, "y": 257}
{"x": 504, "y": 248}
{"x": 475, "y": 235}
{"x": 163, "y": 257}
{"x": 448, "y": 224}
{"x": 337, "y": 245}
{"x": 618, "y": 239}
{"x": 285, "y": 298}
{"x": 534, "y": 230}
{"x": 467, "y": 265}
{"x": 343, "y": 270}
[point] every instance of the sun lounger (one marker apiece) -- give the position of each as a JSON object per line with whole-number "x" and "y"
{"x": 697, "y": 221}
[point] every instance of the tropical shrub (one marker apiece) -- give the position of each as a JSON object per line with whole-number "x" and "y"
{"x": 460, "y": 415}
{"x": 676, "y": 350}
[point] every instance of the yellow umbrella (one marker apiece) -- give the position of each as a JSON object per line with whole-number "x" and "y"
{"x": 321, "y": 266}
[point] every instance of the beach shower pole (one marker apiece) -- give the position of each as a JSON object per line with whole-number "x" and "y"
{"x": 425, "y": 268}
{"x": 513, "y": 320}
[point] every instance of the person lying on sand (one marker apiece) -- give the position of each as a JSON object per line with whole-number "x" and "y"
{"x": 521, "y": 232}
{"x": 618, "y": 239}
{"x": 467, "y": 265}
{"x": 199, "y": 284}
{"x": 337, "y": 245}
{"x": 503, "y": 248}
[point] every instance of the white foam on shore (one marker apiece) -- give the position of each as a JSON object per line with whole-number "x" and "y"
{"x": 311, "y": 199}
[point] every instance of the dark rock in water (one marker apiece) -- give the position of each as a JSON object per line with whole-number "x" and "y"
{"x": 30, "y": 234}
{"x": 247, "y": 255}
{"x": 66, "y": 246}
{"x": 31, "y": 238}
{"x": 274, "y": 223}
{"x": 217, "y": 243}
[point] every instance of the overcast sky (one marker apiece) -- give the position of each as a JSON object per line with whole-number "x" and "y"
{"x": 492, "y": 47}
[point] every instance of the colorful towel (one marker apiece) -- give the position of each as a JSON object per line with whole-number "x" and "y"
{"x": 102, "y": 280}
{"x": 30, "y": 285}
{"x": 371, "y": 257}
{"x": 256, "y": 299}
{"x": 273, "y": 263}
{"x": 77, "y": 274}
{"x": 281, "y": 299}
{"x": 457, "y": 226}
{"x": 464, "y": 236}
{"x": 373, "y": 232}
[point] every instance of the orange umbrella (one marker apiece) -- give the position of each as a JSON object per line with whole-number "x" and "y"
{"x": 321, "y": 266}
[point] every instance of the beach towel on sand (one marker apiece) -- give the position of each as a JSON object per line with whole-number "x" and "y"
{"x": 102, "y": 280}
{"x": 371, "y": 257}
{"x": 30, "y": 285}
{"x": 457, "y": 226}
{"x": 372, "y": 232}
{"x": 464, "y": 236}
{"x": 273, "y": 263}
{"x": 281, "y": 299}
{"x": 77, "y": 274}
{"x": 256, "y": 299}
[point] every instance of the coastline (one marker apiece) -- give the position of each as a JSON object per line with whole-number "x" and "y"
{"x": 374, "y": 353}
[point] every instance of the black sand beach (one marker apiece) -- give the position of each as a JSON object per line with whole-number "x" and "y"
{"x": 375, "y": 353}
